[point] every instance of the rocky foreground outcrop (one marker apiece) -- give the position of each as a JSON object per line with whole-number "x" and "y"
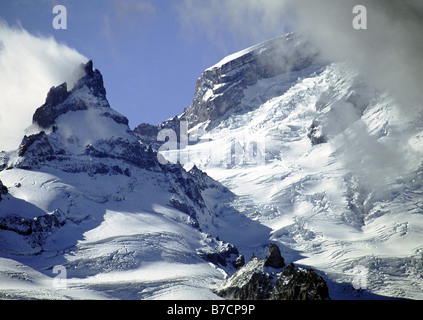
{"x": 271, "y": 279}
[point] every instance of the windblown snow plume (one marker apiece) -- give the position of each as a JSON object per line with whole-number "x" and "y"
{"x": 387, "y": 55}
{"x": 29, "y": 66}
{"x": 388, "y": 52}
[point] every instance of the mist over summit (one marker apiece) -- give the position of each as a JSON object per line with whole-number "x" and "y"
{"x": 337, "y": 188}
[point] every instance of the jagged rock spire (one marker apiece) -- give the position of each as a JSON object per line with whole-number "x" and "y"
{"x": 93, "y": 79}
{"x": 56, "y": 105}
{"x": 274, "y": 258}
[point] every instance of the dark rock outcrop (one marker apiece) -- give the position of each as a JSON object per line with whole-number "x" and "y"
{"x": 35, "y": 145}
{"x": 274, "y": 258}
{"x": 118, "y": 118}
{"x": 260, "y": 280}
{"x": 60, "y": 101}
{"x": 147, "y": 134}
{"x": 36, "y": 229}
{"x": 299, "y": 284}
{"x": 118, "y": 148}
{"x": 3, "y": 190}
{"x": 55, "y": 106}
{"x": 93, "y": 80}
{"x": 315, "y": 133}
{"x": 221, "y": 88}
{"x": 225, "y": 255}
{"x": 57, "y": 95}
{"x": 146, "y": 129}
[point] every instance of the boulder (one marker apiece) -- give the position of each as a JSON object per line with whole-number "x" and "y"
{"x": 274, "y": 258}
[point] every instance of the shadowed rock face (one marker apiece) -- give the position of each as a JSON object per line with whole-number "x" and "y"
{"x": 55, "y": 145}
{"x": 221, "y": 88}
{"x": 299, "y": 284}
{"x": 270, "y": 279}
{"x": 45, "y": 115}
{"x": 3, "y": 190}
{"x": 60, "y": 101}
{"x": 274, "y": 258}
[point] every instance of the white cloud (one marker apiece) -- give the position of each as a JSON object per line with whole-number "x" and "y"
{"x": 133, "y": 7}
{"x": 29, "y": 66}
{"x": 125, "y": 23}
{"x": 389, "y": 52}
{"x": 247, "y": 21}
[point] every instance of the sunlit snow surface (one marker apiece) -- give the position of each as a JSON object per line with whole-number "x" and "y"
{"x": 122, "y": 240}
{"x": 351, "y": 205}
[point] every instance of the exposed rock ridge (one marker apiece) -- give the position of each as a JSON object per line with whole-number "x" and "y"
{"x": 221, "y": 88}
{"x": 271, "y": 279}
{"x": 60, "y": 101}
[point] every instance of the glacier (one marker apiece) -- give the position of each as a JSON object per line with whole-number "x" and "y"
{"x": 282, "y": 147}
{"x": 87, "y": 212}
{"x": 339, "y": 181}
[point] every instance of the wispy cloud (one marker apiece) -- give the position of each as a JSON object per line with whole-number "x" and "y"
{"x": 389, "y": 52}
{"x": 123, "y": 20}
{"x": 29, "y": 66}
{"x": 246, "y": 21}
{"x": 129, "y": 8}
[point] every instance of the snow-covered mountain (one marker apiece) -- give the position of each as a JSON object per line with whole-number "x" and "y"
{"x": 87, "y": 211}
{"x": 319, "y": 156}
{"x": 278, "y": 149}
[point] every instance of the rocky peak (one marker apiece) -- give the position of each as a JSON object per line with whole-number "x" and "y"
{"x": 274, "y": 258}
{"x": 270, "y": 279}
{"x": 146, "y": 129}
{"x": 93, "y": 80}
{"x": 78, "y": 124}
{"x": 60, "y": 101}
{"x": 57, "y": 95}
{"x": 221, "y": 87}
{"x": 147, "y": 134}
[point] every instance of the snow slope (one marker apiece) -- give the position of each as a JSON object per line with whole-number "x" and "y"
{"x": 306, "y": 155}
{"x": 332, "y": 167}
{"x": 91, "y": 214}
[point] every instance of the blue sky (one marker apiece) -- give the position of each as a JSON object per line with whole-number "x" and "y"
{"x": 149, "y": 55}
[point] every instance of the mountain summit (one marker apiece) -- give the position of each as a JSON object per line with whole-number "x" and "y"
{"x": 289, "y": 159}
{"x": 57, "y": 101}
{"x": 79, "y": 125}
{"x": 83, "y": 195}
{"x": 221, "y": 88}
{"x": 319, "y": 156}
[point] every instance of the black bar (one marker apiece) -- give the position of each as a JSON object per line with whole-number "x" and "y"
{"x": 191, "y": 309}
